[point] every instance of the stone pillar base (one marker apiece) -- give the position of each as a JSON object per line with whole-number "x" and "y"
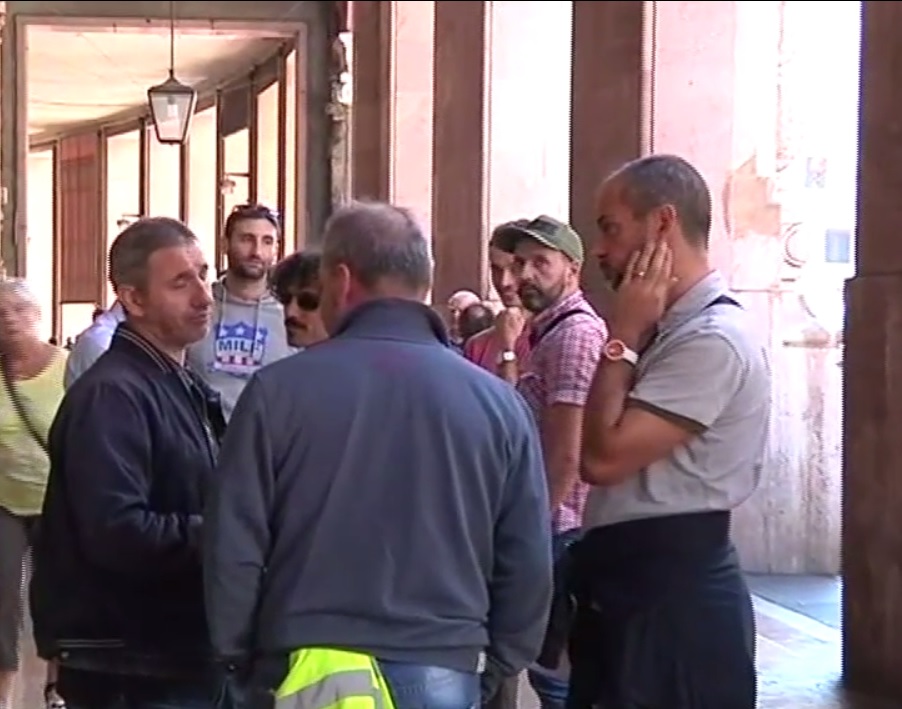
{"x": 872, "y": 485}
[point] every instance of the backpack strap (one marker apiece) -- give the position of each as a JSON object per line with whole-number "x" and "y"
{"x": 19, "y": 406}
{"x": 723, "y": 300}
{"x": 536, "y": 337}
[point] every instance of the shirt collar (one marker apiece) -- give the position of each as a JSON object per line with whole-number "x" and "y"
{"x": 694, "y": 301}
{"x": 394, "y": 318}
{"x": 574, "y": 300}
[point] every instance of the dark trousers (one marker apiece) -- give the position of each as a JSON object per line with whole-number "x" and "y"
{"x": 669, "y": 627}
{"x": 82, "y": 689}
{"x": 16, "y": 538}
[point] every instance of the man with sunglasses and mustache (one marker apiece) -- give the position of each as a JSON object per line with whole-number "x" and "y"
{"x": 248, "y": 329}
{"x": 295, "y": 284}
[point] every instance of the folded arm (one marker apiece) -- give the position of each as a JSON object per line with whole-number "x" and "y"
{"x": 628, "y": 426}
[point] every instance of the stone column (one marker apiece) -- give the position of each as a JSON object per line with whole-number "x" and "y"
{"x": 391, "y": 139}
{"x": 692, "y": 92}
{"x": 872, "y": 443}
{"x": 411, "y": 129}
{"x": 609, "y": 120}
{"x": 459, "y": 203}
{"x": 13, "y": 147}
{"x": 371, "y": 23}
{"x": 528, "y": 136}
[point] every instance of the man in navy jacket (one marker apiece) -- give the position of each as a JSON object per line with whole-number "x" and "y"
{"x": 399, "y": 508}
{"x": 117, "y": 592}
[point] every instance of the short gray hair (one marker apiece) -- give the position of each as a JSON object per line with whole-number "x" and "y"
{"x": 378, "y": 242}
{"x": 19, "y": 288}
{"x": 134, "y": 246}
{"x": 656, "y": 180}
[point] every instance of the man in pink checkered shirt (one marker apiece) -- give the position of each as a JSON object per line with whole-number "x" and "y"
{"x": 566, "y": 340}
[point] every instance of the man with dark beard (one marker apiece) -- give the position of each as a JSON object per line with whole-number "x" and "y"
{"x": 500, "y": 348}
{"x": 248, "y": 328}
{"x": 566, "y": 339}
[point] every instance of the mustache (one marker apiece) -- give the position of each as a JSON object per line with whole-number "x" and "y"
{"x": 291, "y": 322}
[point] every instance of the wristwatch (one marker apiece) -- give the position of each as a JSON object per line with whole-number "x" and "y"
{"x": 507, "y": 357}
{"x": 617, "y": 351}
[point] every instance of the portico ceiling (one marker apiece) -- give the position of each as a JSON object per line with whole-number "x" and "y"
{"x": 77, "y": 76}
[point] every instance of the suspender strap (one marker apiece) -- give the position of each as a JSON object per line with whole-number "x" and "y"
{"x": 536, "y": 337}
{"x": 723, "y": 300}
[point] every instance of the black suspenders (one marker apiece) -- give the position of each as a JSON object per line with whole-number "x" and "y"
{"x": 536, "y": 337}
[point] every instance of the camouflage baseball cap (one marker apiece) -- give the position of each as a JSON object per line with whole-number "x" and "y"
{"x": 544, "y": 229}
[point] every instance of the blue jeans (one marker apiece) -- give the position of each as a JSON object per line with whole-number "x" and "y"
{"x": 428, "y": 687}
{"x": 552, "y": 692}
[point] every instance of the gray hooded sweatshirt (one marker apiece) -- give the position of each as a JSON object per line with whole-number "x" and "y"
{"x": 244, "y": 336}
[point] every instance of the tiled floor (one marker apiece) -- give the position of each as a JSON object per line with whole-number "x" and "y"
{"x": 799, "y": 656}
{"x": 817, "y": 597}
{"x": 799, "y": 662}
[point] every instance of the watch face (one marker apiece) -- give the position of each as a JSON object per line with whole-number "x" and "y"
{"x": 614, "y": 349}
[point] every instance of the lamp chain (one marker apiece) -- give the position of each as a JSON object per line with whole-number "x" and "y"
{"x": 171, "y": 37}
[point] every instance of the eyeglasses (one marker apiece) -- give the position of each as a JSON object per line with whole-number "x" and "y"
{"x": 305, "y": 300}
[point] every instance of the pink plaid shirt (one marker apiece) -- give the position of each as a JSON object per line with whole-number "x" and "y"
{"x": 559, "y": 370}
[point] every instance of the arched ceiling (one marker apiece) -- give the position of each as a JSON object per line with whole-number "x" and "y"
{"x": 77, "y": 76}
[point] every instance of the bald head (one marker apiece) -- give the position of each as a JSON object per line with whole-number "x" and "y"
{"x": 462, "y": 299}
{"x": 380, "y": 245}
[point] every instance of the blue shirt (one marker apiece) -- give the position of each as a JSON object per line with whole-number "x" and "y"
{"x": 93, "y": 342}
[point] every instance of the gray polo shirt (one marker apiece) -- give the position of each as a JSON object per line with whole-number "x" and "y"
{"x": 708, "y": 371}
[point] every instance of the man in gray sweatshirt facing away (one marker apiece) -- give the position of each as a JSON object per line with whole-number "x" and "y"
{"x": 248, "y": 330}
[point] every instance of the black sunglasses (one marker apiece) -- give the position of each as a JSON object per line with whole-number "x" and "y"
{"x": 256, "y": 208}
{"x": 253, "y": 211}
{"x": 305, "y": 300}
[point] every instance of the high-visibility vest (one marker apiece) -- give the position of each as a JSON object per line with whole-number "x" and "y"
{"x": 325, "y": 678}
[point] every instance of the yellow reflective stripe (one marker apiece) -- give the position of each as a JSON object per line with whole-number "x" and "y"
{"x": 332, "y": 689}
{"x": 309, "y": 665}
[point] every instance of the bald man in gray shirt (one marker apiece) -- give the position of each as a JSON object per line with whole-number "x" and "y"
{"x": 674, "y": 437}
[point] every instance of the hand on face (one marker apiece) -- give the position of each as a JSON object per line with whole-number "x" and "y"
{"x": 641, "y": 298}
{"x": 509, "y": 324}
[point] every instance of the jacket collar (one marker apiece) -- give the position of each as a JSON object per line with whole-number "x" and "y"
{"x": 127, "y": 339}
{"x": 394, "y": 319}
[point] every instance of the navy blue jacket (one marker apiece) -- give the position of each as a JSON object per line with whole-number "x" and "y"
{"x": 117, "y": 582}
{"x": 378, "y": 492}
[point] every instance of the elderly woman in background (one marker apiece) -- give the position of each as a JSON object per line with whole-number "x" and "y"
{"x": 457, "y": 303}
{"x": 32, "y": 388}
